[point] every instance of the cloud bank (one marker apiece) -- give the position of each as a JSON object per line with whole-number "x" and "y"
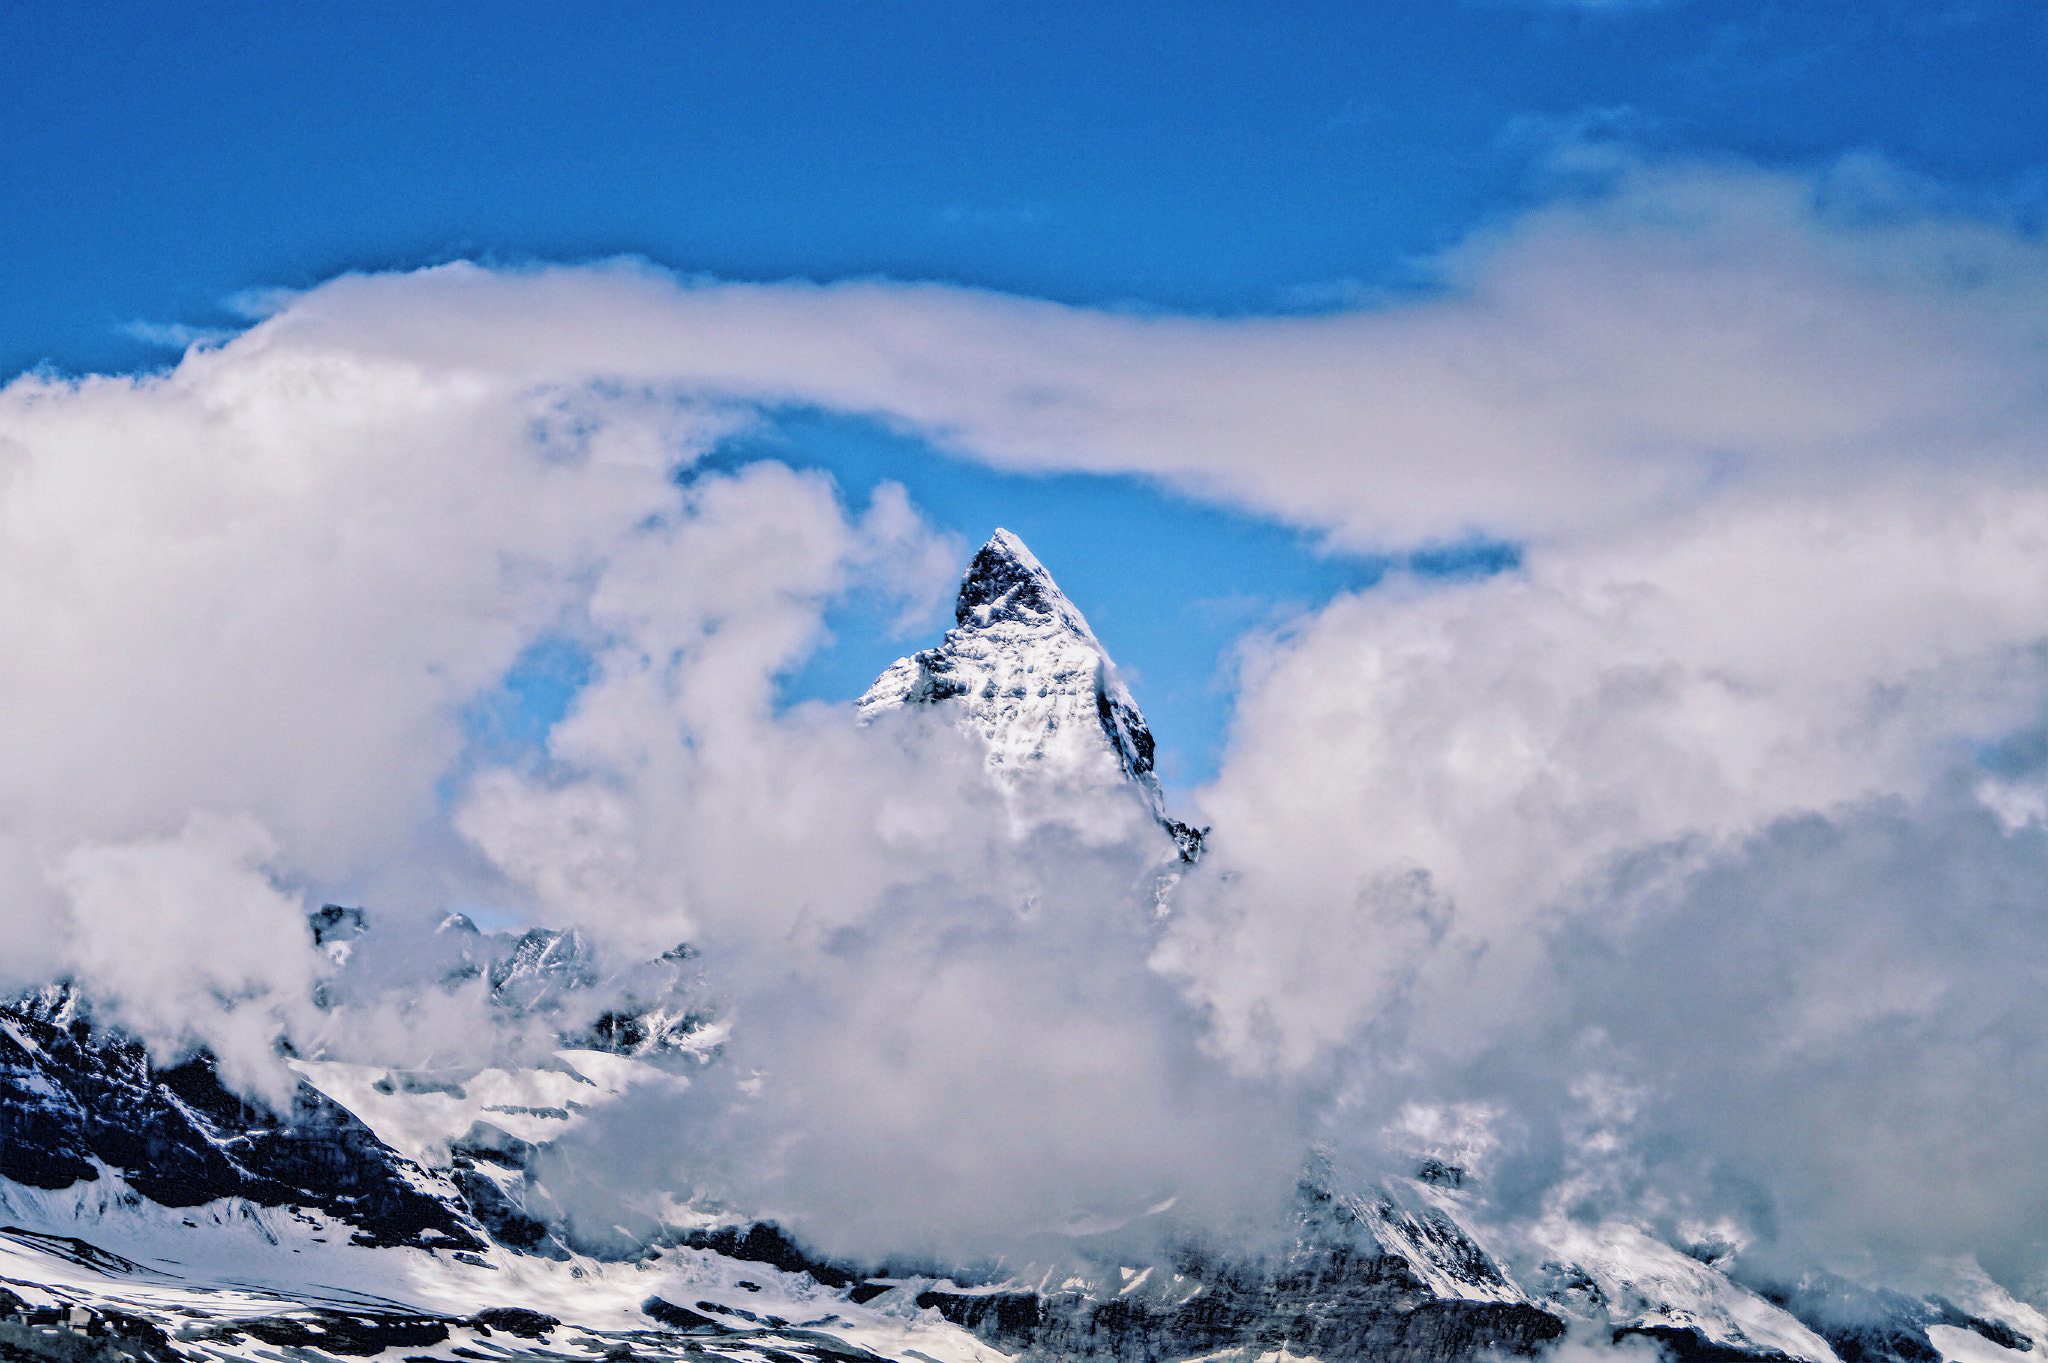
{"x": 1729, "y": 799}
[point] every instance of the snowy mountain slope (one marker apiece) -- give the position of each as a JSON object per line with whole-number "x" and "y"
{"x": 1363, "y": 1278}
{"x": 1621, "y": 1277}
{"x": 232, "y": 1281}
{"x": 1426, "y": 1228}
{"x": 1023, "y": 670}
{"x": 423, "y": 1120}
{"x": 482, "y": 1129}
{"x": 1398, "y": 1270}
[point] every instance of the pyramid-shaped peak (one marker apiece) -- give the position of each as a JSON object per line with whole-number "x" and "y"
{"x": 1007, "y": 582}
{"x": 1023, "y": 670}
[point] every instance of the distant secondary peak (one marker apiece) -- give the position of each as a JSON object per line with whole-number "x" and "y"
{"x": 1007, "y": 582}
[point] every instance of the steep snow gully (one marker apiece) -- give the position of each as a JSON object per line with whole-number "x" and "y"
{"x": 149, "y": 1211}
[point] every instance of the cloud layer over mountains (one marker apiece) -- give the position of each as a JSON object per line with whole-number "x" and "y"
{"x": 1692, "y": 871}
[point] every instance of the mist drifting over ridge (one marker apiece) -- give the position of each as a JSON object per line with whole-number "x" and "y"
{"x": 1689, "y": 872}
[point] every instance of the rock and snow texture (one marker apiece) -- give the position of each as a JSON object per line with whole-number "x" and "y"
{"x": 75, "y": 1104}
{"x": 1359, "y": 1277}
{"x": 1026, "y": 673}
{"x": 235, "y": 1283}
{"x": 1632, "y": 1282}
{"x": 1414, "y": 1221}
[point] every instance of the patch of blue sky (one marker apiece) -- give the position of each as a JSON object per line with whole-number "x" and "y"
{"x": 509, "y": 725}
{"x": 2018, "y": 756}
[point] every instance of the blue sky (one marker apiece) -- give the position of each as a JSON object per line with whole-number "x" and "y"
{"x": 164, "y": 165}
{"x": 162, "y": 158}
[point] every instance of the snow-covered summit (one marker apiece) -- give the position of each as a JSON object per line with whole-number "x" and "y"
{"x": 1026, "y": 673}
{"x": 1006, "y": 581}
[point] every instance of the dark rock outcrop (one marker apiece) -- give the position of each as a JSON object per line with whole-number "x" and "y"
{"x": 352, "y": 1334}
{"x": 515, "y": 1320}
{"x": 765, "y": 1243}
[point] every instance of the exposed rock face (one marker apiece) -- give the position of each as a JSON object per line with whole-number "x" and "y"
{"x": 73, "y": 1099}
{"x": 1365, "y": 1278}
{"x": 1023, "y": 670}
{"x": 1330, "y": 1306}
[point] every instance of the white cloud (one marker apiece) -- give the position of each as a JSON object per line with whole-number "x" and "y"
{"x": 188, "y": 938}
{"x": 1695, "y": 333}
{"x": 1508, "y": 739}
{"x": 263, "y": 589}
{"x": 1770, "y": 443}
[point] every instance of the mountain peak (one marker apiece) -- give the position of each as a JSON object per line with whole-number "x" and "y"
{"x": 1007, "y": 582}
{"x": 1027, "y": 674}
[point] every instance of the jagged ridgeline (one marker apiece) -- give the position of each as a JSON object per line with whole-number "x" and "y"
{"x": 405, "y": 1212}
